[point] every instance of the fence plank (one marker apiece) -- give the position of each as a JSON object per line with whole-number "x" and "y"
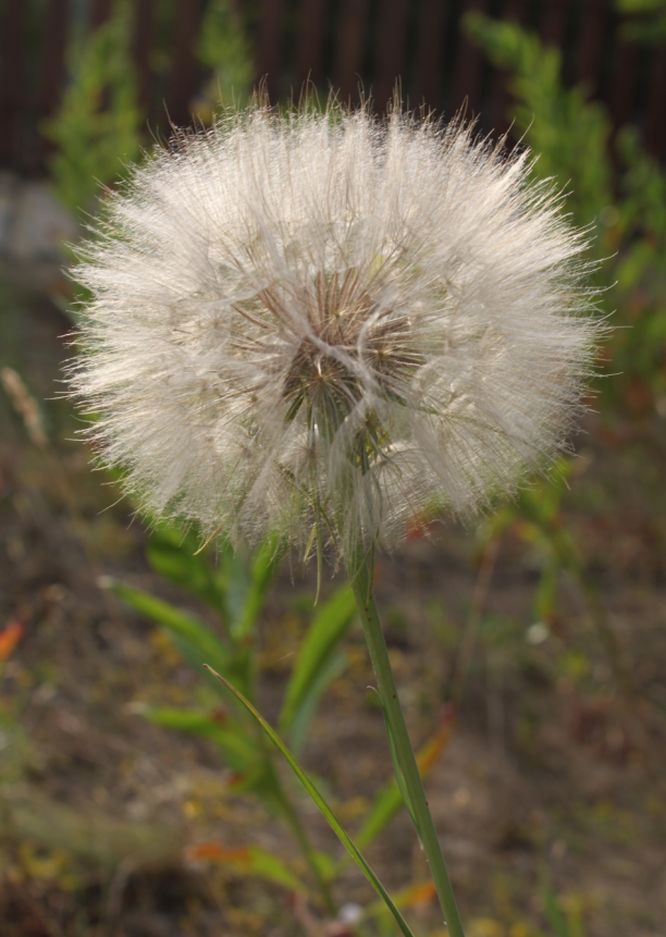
{"x": 52, "y": 78}
{"x": 429, "y": 71}
{"x": 591, "y": 41}
{"x": 554, "y": 21}
{"x": 181, "y": 85}
{"x": 390, "y": 50}
{"x": 13, "y": 49}
{"x": 99, "y": 11}
{"x": 499, "y": 106}
{"x": 630, "y": 77}
{"x": 310, "y": 36}
{"x": 469, "y": 67}
{"x": 626, "y": 59}
{"x": 271, "y": 19}
{"x": 351, "y": 35}
{"x": 655, "y": 116}
{"x": 141, "y": 47}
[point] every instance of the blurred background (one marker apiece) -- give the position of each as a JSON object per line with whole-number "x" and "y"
{"x": 135, "y": 801}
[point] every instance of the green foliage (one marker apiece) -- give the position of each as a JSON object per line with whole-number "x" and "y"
{"x": 193, "y": 637}
{"x": 235, "y": 587}
{"x": 237, "y": 748}
{"x": 175, "y": 555}
{"x": 647, "y": 19}
{"x": 13, "y": 742}
{"x": 536, "y": 517}
{"x": 637, "y": 232}
{"x": 96, "y": 130}
{"x": 625, "y": 205}
{"x": 317, "y": 664}
{"x": 225, "y": 49}
{"x": 325, "y": 810}
{"x": 569, "y": 134}
{"x": 561, "y": 923}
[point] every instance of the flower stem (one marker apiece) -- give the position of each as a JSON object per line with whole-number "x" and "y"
{"x": 361, "y": 579}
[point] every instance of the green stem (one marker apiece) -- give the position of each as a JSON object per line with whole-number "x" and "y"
{"x": 291, "y": 817}
{"x": 361, "y": 578}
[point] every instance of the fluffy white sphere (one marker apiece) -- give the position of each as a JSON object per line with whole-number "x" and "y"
{"x": 329, "y": 322}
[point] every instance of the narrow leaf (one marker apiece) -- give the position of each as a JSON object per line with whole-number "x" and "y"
{"x": 300, "y": 723}
{"x": 305, "y": 686}
{"x": 251, "y": 860}
{"x": 193, "y": 632}
{"x": 174, "y": 555}
{"x": 262, "y": 571}
{"x": 238, "y": 750}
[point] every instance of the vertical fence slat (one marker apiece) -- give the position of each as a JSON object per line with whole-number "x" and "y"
{"x": 99, "y": 11}
{"x": 626, "y": 63}
{"x": 310, "y": 36}
{"x": 268, "y": 45}
{"x": 52, "y": 79}
{"x": 655, "y": 113}
{"x": 498, "y": 110}
{"x": 141, "y": 46}
{"x": 469, "y": 67}
{"x": 182, "y": 81}
{"x": 12, "y": 63}
{"x": 593, "y": 52}
{"x": 349, "y": 58}
{"x": 554, "y": 21}
{"x": 429, "y": 71}
{"x": 591, "y": 43}
{"x": 390, "y": 50}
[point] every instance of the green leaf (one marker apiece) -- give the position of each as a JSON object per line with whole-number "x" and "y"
{"x": 271, "y": 868}
{"x": 322, "y": 806}
{"x": 545, "y": 597}
{"x": 569, "y": 132}
{"x": 195, "y": 637}
{"x": 238, "y": 750}
{"x": 264, "y": 566}
{"x": 250, "y": 860}
{"x": 554, "y": 914}
{"x": 97, "y": 128}
{"x": 224, "y": 46}
{"x": 304, "y": 714}
{"x": 174, "y": 555}
{"x": 316, "y": 664}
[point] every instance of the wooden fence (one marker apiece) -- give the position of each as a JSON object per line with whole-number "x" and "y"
{"x": 337, "y": 43}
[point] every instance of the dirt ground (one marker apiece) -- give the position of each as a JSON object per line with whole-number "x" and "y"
{"x": 551, "y": 790}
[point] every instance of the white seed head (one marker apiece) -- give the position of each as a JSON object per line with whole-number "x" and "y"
{"x": 329, "y": 322}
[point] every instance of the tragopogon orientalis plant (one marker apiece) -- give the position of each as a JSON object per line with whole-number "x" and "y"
{"x": 320, "y": 325}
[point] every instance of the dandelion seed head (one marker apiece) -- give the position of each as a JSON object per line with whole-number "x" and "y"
{"x": 329, "y": 323}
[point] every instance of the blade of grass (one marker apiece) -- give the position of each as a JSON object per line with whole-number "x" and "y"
{"x": 321, "y": 804}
